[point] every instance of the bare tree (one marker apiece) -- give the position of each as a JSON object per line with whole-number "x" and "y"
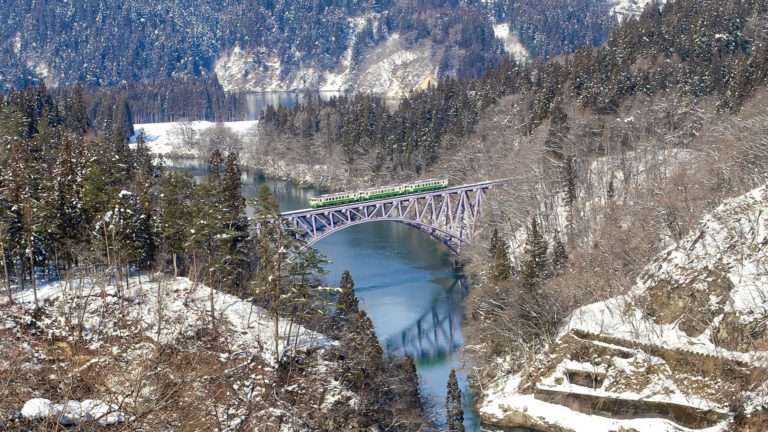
{"x": 186, "y": 135}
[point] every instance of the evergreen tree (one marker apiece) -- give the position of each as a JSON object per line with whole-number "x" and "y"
{"x": 147, "y": 233}
{"x": 366, "y": 358}
{"x": 177, "y": 193}
{"x": 272, "y": 248}
{"x": 215, "y": 165}
{"x": 611, "y": 192}
{"x": 236, "y": 265}
{"x": 234, "y": 203}
{"x": 204, "y": 240}
{"x": 412, "y": 394}
{"x": 75, "y": 116}
{"x": 122, "y": 125}
{"x": 569, "y": 192}
{"x": 501, "y": 264}
{"x": 559, "y": 255}
{"x": 347, "y": 303}
{"x": 494, "y": 244}
{"x": 71, "y": 218}
{"x": 535, "y": 264}
{"x": 454, "y": 411}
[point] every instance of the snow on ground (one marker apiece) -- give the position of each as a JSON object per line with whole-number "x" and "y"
{"x": 628, "y": 8}
{"x": 512, "y": 44}
{"x": 169, "y": 309}
{"x": 630, "y": 171}
{"x": 697, "y": 299}
{"x": 506, "y": 397}
{"x": 71, "y": 413}
{"x": 260, "y": 69}
{"x": 167, "y": 138}
{"x": 154, "y": 341}
{"x": 394, "y": 69}
{"x": 732, "y": 241}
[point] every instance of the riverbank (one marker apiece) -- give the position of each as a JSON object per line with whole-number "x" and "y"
{"x": 402, "y": 277}
{"x": 188, "y": 142}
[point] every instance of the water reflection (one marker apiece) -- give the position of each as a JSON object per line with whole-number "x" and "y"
{"x": 256, "y": 103}
{"x": 405, "y": 282}
{"x": 436, "y": 334}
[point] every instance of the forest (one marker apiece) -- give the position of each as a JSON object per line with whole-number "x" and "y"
{"x": 79, "y": 204}
{"x": 653, "y": 54}
{"x": 619, "y": 139}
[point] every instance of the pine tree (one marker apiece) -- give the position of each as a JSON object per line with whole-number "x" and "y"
{"x": 494, "y": 244}
{"x": 236, "y": 265}
{"x": 68, "y": 189}
{"x": 146, "y": 230}
{"x": 535, "y": 264}
{"x": 347, "y": 303}
{"x": 412, "y": 394}
{"x": 454, "y": 411}
{"x": 501, "y": 264}
{"x": 177, "y": 193}
{"x": 611, "y": 192}
{"x": 559, "y": 255}
{"x": 215, "y": 165}
{"x": 569, "y": 192}
{"x": 122, "y": 126}
{"x": 203, "y": 242}
{"x": 366, "y": 357}
{"x": 234, "y": 203}
{"x": 75, "y": 117}
{"x": 272, "y": 247}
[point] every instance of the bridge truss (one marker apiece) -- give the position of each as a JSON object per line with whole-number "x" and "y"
{"x": 449, "y": 215}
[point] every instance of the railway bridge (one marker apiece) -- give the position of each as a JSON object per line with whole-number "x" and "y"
{"x": 449, "y": 215}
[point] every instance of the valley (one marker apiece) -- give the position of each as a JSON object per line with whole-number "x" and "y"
{"x": 588, "y": 256}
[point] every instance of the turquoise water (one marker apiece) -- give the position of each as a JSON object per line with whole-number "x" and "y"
{"x": 405, "y": 282}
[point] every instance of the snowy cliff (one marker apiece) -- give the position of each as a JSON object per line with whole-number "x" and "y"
{"x": 392, "y": 67}
{"x": 686, "y": 348}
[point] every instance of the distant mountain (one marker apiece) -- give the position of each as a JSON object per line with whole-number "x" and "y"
{"x": 385, "y": 46}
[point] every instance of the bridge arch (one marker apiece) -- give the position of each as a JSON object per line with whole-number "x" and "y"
{"x": 452, "y": 242}
{"x": 449, "y": 215}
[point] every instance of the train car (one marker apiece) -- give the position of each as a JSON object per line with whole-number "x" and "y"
{"x": 377, "y": 193}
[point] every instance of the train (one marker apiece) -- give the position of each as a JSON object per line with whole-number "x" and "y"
{"x": 340, "y": 198}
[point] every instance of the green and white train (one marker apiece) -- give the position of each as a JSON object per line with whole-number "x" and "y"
{"x": 377, "y": 193}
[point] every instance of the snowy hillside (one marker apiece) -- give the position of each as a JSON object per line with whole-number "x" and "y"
{"x": 156, "y": 353}
{"x": 179, "y": 138}
{"x": 672, "y": 354}
{"x": 626, "y": 8}
{"x": 511, "y": 41}
{"x": 627, "y": 173}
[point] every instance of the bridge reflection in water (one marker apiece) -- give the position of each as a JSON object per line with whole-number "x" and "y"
{"x": 436, "y": 333}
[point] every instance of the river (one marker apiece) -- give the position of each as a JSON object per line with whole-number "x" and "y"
{"x": 404, "y": 280}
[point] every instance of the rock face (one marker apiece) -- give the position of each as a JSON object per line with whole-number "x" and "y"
{"x": 390, "y": 68}
{"x": 261, "y": 45}
{"x": 282, "y": 45}
{"x": 686, "y": 347}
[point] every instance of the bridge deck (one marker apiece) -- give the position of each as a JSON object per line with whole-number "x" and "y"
{"x": 460, "y": 188}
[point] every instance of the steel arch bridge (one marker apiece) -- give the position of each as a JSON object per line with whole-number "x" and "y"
{"x": 449, "y": 215}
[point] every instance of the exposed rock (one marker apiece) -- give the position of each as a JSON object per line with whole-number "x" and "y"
{"x": 672, "y": 354}
{"x": 689, "y": 303}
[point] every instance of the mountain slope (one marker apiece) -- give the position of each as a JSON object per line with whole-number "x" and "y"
{"x": 165, "y": 354}
{"x": 684, "y": 343}
{"x": 282, "y": 45}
